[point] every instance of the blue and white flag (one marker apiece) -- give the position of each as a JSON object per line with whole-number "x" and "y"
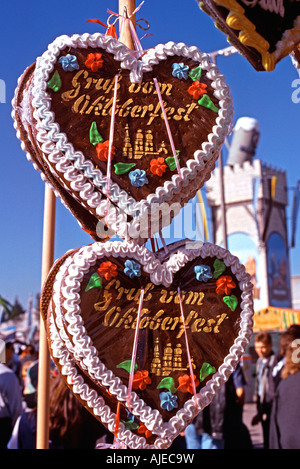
{"x": 256, "y": 185}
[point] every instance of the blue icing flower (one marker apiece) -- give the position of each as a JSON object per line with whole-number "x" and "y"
{"x": 168, "y": 401}
{"x": 132, "y": 269}
{"x": 203, "y": 272}
{"x": 138, "y": 177}
{"x": 69, "y": 63}
{"x": 180, "y": 71}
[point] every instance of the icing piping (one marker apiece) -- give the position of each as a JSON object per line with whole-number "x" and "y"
{"x": 55, "y": 82}
{"x": 69, "y": 63}
{"x": 95, "y": 137}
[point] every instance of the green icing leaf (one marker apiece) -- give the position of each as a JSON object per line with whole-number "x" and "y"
{"x": 167, "y": 383}
{"x": 55, "y": 82}
{"x": 171, "y": 161}
{"x": 95, "y": 137}
{"x": 195, "y": 73}
{"x": 126, "y": 365}
{"x": 94, "y": 282}
{"x": 123, "y": 168}
{"x": 207, "y": 102}
{"x": 206, "y": 370}
{"x": 219, "y": 267}
{"x": 231, "y": 301}
{"x": 131, "y": 425}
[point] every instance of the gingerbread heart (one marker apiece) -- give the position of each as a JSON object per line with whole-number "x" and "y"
{"x": 166, "y": 116}
{"x": 127, "y": 327}
{"x": 264, "y": 31}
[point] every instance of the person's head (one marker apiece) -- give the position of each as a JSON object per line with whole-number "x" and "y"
{"x": 64, "y": 408}
{"x": 263, "y": 344}
{"x": 30, "y": 382}
{"x": 290, "y": 348}
{"x": 292, "y": 333}
{"x": 9, "y": 351}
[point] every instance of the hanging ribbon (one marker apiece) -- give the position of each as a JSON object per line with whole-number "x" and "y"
{"x": 187, "y": 349}
{"x": 167, "y": 127}
{"x": 123, "y": 18}
{"x": 163, "y": 242}
{"x": 110, "y": 28}
{"x": 135, "y": 343}
{"x": 111, "y": 139}
{"x": 117, "y": 421}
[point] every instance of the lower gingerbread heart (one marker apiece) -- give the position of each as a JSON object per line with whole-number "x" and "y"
{"x": 147, "y": 337}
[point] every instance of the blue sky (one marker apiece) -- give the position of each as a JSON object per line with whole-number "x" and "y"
{"x": 26, "y": 30}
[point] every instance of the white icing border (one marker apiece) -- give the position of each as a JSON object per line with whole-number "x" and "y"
{"x": 82, "y": 348}
{"x": 82, "y": 174}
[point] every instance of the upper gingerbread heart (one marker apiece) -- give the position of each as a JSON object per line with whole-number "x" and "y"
{"x": 143, "y": 133}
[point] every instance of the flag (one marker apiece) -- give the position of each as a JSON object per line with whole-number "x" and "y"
{"x": 255, "y": 186}
{"x": 272, "y": 189}
{"x": 295, "y": 209}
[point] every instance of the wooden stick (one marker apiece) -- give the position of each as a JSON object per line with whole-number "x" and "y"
{"x": 44, "y": 356}
{"x": 126, "y": 37}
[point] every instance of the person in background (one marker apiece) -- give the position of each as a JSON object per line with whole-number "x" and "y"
{"x": 71, "y": 426}
{"x": 220, "y": 424}
{"x": 12, "y": 360}
{"x": 10, "y": 399}
{"x": 285, "y": 415}
{"x": 292, "y": 333}
{"x": 264, "y": 366}
{"x": 24, "y": 432}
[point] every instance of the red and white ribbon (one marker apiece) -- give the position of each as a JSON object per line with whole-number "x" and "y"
{"x": 134, "y": 350}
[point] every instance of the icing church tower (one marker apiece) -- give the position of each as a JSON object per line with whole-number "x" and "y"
{"x": 254, "y": 203}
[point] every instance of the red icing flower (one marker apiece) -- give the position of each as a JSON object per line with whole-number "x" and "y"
{"x": 158, "y": 166}
{"x": 197, "y": 89}
{"x": 94, "y": 61}
{"x": 140, "y": 380}
{"x": 143, "y": 429}
{"x": 102, "y": 150}
{"x": 225, "y": 284}
{"x": 186, "y": 383}
{"x": 107, "y": 270}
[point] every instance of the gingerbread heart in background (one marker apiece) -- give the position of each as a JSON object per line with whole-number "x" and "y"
{"x": 127, "y": 326}
{"x": 24, "y": 124}
{"x": 171, "y": 113}
{"x": 263, "y": 31}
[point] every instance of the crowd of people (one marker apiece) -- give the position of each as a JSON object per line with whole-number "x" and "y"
{"x": 277, "y": 383}
{"x": 277, "y": 391}
{"x": 71, "y": 426}
{"x": 219, "y": 426}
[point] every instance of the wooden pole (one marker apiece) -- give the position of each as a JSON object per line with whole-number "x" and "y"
{"x": 44, "y": 356}
{"x": 223, "y": 203}
{"x": 126, "y": 37}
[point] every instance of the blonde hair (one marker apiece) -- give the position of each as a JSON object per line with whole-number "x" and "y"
{"x": 292, "y": 360}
